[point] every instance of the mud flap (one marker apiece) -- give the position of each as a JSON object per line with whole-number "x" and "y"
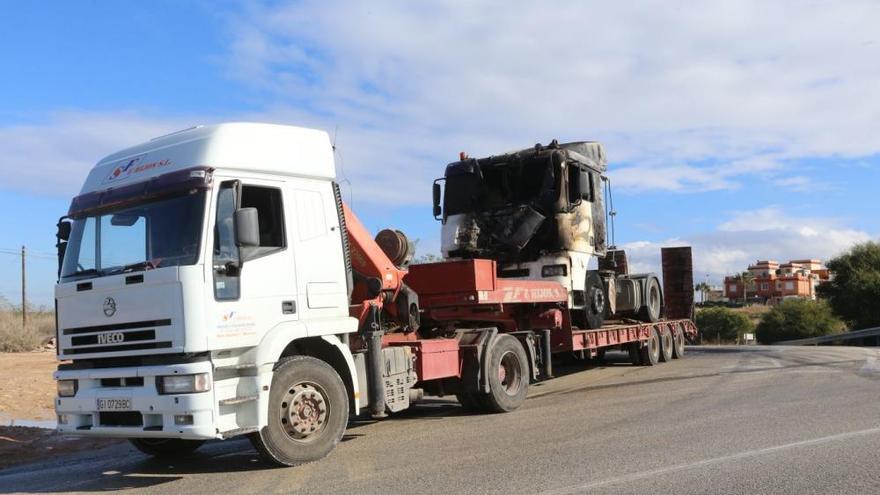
{"x": 474, "y": 344}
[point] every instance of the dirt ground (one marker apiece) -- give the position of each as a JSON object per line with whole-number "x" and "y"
{"x": 27, "y": 388}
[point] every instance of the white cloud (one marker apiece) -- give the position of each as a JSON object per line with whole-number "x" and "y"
{"x": 53, "y": 157}
{"x": 746, "y": 86}
{"x": 686, "y": 96}
{"x": 767, "y": 233}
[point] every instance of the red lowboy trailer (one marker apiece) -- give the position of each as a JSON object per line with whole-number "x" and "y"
{"x": 484, "y": 338}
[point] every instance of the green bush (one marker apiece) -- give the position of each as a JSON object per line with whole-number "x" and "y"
{"x": 854, "y": 290}
{"x": 797, "y": 319}
{"x": 724, "y": 323}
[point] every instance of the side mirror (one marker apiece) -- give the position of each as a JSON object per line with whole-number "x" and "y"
{"x": 62, "y": 235}
{"x": 437, "y": 209}
{"x": 247, "y": 227}
{"x": 63, "y": 232}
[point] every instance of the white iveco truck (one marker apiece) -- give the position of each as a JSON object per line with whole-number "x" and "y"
{"x": 158, "y": 250}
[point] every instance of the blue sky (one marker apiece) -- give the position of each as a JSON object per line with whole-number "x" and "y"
{"x": 747, "y": 130}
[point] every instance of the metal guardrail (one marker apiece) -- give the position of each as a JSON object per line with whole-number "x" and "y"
{"x": 841, "y": 337}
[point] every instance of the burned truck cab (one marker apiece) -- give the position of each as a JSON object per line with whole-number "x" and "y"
{"x": 539, "y": 213}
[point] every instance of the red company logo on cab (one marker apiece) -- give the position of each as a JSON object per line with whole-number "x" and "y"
{"x": 133, "y": 166}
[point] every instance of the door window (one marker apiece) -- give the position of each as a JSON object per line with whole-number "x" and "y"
{"x": 226, "y": 254}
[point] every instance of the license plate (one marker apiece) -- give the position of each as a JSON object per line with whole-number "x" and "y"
{"x": 114, "y": 404}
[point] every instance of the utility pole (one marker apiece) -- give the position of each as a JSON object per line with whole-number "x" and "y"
{"x": 23, "y": 289}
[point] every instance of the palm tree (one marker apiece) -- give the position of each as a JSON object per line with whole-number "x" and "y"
{"x": 704, "y": 289}
{"x": 747, "y": 278}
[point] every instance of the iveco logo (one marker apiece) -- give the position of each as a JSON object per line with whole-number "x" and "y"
{"x": 109, "y": 307}
{"x": 111, "y": 338}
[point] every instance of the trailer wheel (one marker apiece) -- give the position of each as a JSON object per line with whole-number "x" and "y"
{"x": 650, "y": 354}
{"x": 508, "y": 375}
{"x": 166, "y": 448}
{"x": 650, "y": 310}
{"x": 308, "y": 412}
{"x": 595, "y": 304}
{"x": 678, "y": 342}
{"x": 666, "y": 344}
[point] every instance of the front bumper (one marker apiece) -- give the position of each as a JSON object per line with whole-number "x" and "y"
{"x": 150, "y": 415}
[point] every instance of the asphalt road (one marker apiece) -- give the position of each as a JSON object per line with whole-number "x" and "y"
{"x": 723, "y": 420}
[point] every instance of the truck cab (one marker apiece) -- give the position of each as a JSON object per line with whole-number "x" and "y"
{"x": 540, "y": 214}
{"x": 191, "y": 265}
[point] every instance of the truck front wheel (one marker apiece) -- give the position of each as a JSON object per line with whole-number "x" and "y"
{"x": 308, "y": 412}
{"x": 166, "y": 447}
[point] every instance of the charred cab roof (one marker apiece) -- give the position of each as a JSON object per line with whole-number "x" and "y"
{"x": 588, "y": 153}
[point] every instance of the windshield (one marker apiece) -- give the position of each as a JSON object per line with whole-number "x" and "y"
{"x": 144, "y": 236}
{"x": 500, "y": 185}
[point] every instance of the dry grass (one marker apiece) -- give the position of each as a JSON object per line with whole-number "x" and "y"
{"x": 14, "y": 338}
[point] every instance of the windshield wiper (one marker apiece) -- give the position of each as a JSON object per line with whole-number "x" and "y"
{"x": 143, "y": 265}
{"x": 87, "y": 271}
{"x": 140, "y": 265}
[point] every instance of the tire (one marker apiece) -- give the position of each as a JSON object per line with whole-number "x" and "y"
{"x": 666, "y": 344}
{"x": 650, "y": 354}
{"x": 308, "y": 412}
{"x": 600, "y": 354}
{"x": 508, "y": 375}
{"x": 678, "y": 342}
{"x": 653, "y": 305}
{"x": 596, "y": 303}
{"x": 166, "y": 448}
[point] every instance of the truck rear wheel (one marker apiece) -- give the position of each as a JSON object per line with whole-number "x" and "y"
{"x": 595, "y": 304}
{"x": 678, "y": 342}
{"x": 666, "y": 344}
{"x": 650, "y": 310}
{"x": 165, "y": 448}
{"x": 308, "y": 412}
{"x": 508, "y": 375}
{"x": 650, "y": 354}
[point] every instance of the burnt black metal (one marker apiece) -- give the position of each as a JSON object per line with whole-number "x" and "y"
{"x": 614, "y": 261}
{"x": 515, "y": 199}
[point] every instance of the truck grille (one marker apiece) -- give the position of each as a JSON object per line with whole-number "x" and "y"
{"x": 136, "y": 335}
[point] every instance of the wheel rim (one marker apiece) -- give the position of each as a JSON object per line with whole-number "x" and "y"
{"x": 598, "y": 302}
{"x": 509, "y": 373}
{"x": 655, "y": 300}
{"x": 655, "y": 346}
{"x": 305, "y": 411}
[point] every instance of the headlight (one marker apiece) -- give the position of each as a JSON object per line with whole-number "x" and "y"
{"x": 67, "y": 388}
{"x": 554, "y": 271}
{"x": 183, "y": 384}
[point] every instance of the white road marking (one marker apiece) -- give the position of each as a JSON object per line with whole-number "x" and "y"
{"x": 707, "y": 462}
{"x": 870, "y": 367}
